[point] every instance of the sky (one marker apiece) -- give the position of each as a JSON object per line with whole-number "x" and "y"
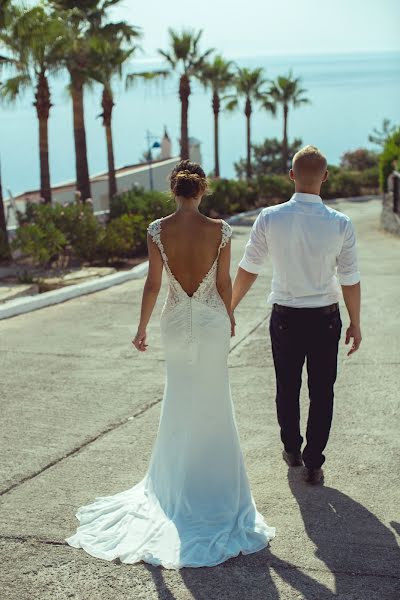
{"x": 263, "y": 27}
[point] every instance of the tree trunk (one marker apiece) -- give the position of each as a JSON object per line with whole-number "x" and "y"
{"x": 107, "y": 104}
{"x": 247, "y": 112}
{"x": 5, "y": 252}
{"x": 285, "y": 156}
{"x": 82, "y": 170}
{"x": 42, "y": 104}
{"x": 216, "y": 108}
{"x": 184, "y": 93}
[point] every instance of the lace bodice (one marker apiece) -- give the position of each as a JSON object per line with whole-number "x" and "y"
{"x": 206, "y": 292}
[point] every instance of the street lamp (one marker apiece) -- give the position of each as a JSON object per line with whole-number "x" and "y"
{"x": 150, "y": 146}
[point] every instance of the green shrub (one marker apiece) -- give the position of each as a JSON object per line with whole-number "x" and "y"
{"x": 150, "y": 204}
{"x": 5, "y": 253}
{"x": 75, "y": 221}
{"x": 81, "y": 229}
{"x": 275, "y": 187}
{"x": 34, "y": 213}
{"x": 342, "y": 184}
{"x": 389, "y": 160}
{"x": 370, "y": 179}
{"x": 124, "y": 236}
{"x": 267, "y": 158}
{"x": 359, "y": 159}
{"x": 42, "y": 244}
{"x": 228, "y": 196}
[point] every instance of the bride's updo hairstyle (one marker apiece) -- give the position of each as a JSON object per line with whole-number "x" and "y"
{"x": 188, "y": 180}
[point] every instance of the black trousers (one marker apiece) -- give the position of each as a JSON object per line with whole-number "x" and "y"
{"x": 305, "y": 334}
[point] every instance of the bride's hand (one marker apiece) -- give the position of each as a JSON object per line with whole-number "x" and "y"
{"x": 233, "y": 324}
{"x": 139, "y": 341}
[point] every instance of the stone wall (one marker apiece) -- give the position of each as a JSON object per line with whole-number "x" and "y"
{"x": 390, "y": 221}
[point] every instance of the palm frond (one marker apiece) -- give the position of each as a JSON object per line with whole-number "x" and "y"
{"x": 230, "y": 105}
{"x": 14, "y": 87}
{"x": 121, "y": 30}
{"x": 217, "y": 75}
{"x": 133, "y": 78}
{"x": 286, "y": 90}
{"x": 168, "y": 58}
{"x": 269, "y": 105}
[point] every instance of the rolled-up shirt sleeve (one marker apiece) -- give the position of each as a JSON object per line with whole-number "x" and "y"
{"x": 347, "y": 269}
{"x": 256, "y": 248}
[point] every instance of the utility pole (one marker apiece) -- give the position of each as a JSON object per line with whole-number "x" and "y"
{"x": 150, "y": 146}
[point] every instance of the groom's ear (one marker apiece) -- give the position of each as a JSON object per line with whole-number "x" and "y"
{"x": 291, "y": 175}
{"x": 326, "y": 175}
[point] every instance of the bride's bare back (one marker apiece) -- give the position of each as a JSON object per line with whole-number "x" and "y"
{"x": 195, "y": 251}
{"x": 191, "y": 242}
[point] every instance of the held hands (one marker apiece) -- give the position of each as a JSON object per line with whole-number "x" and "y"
{"x": 233, "y": 323}
{"x": 139, "y": 340}
{"x": 353, "y": 332}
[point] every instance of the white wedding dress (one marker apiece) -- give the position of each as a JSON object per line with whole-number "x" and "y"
{"x": 194, "y": 506}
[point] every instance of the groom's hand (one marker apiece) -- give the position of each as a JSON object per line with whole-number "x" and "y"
{"x": 353, "y": 333}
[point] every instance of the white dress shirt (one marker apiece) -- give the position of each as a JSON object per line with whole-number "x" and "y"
{"x": 312, "y": 248}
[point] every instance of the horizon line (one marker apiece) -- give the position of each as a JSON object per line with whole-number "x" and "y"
{"x": 157, "y": 58}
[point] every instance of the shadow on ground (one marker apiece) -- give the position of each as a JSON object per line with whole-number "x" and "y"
{"x": 359, "y": 552}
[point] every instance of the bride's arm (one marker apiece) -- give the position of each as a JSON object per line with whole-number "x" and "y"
{"x": 150, "y": 293}
{"x": 224, "y": 281}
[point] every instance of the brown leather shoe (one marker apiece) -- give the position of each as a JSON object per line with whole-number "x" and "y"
{"x": 293, "y": 459}
{"x": 313, "y": 476}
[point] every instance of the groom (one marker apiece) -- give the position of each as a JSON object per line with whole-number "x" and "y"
{"x": 312, "y": 249}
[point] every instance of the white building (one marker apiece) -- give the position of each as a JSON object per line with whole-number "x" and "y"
{"x": 152, "y": 175}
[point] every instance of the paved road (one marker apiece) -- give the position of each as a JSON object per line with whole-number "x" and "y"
{"x": 80, "y": 412}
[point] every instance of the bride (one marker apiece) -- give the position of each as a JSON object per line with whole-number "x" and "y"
{"x": 194, "y": 506}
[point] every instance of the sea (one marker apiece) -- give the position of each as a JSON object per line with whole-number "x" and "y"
{"x": 350, "y": 94}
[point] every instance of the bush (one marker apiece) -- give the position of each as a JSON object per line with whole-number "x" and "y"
{"x": 275, "y": 187}
{"x": 5, "y": 253}
{"x": 389, "y": 160}
{"x": 124, "y": 236}
{"x": 342, "y": 184}
{"x": 149, "y": 204}
{"x": 42, "y": 243}
{"x": 267, "y": 157}
{"x": 229, "y": 196}
{"x": 370, "y": 179}
{"x": 81, "y": 228}
{"x": 359, "y": 160}
{"x": 76, "y": 222}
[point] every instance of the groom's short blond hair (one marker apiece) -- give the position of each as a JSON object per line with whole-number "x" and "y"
{"x": 309, "y": 164}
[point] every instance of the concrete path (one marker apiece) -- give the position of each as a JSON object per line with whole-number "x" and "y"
{"x": 80, "y": 410}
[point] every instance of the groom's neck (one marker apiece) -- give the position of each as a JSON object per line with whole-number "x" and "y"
{"x": 308, "y": 189}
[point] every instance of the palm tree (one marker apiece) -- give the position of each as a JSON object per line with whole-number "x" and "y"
{"x": 184, "y": 57}
{"x": 109, "y": 54}
{"x": 111, "y": 57}
{"x": 86, "y": 26}
{"x": 286, "y": 91}
{"x": 33, "y": 41}
{"x": 6, "y": 11}
{"x": 219, "y": 77}
{"x": 249, "y": 85}
{"x": 75, "y": 58}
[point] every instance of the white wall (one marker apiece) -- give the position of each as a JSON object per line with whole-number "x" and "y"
{"x": 126, "y": 179}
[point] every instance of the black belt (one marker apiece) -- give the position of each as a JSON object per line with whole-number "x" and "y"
{"x": 325, "y": 310}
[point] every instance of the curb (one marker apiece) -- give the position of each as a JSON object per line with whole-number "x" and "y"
{"x": 19, "y": 306}
{"x": 26, "y": 304}
{"x": 12, "y": 308}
